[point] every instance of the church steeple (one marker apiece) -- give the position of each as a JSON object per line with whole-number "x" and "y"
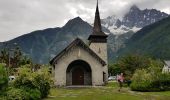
{"x": 97, "y": 23}
{"x": 97, "y": 35}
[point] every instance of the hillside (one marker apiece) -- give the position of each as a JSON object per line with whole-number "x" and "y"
{"x": 43, "y": 45}
{"x": 153, "y": 40}
{"x": 134, "y": 20}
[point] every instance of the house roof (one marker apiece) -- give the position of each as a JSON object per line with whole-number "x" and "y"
{"x": 167, "y": 63}
{"x": 77, "y": 42}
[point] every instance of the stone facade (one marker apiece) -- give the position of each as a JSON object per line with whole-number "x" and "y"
{"x": 78, "y": 53}
{"x": 100, "y": 49}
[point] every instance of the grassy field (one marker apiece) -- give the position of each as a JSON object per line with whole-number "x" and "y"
{"x": 109, "y": 92}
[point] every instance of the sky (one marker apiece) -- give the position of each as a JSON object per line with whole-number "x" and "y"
{"x": 18, "y": 17}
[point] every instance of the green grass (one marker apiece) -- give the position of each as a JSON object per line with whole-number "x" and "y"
{"x": 109, "y": 92}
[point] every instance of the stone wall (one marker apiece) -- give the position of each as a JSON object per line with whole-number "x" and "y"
{"x": 78, "y": 53}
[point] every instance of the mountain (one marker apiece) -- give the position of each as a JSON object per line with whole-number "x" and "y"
{"x": 133, "y": 20}
{"x": 152, "y": 40}
{"x": 43, "y": 45}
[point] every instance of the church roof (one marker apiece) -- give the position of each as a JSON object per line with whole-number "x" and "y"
{"x": 77, "y": 42}
{"x": 97, "y": 29}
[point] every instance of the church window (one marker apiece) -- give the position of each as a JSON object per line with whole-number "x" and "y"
{"x": 99, "y": 50}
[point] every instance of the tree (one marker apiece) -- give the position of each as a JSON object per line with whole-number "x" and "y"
{"x": 13, "y": 58}
{"x": 4, "y": 56}
{"x": 114, "y": 69}
{"x": 130, "y": 63}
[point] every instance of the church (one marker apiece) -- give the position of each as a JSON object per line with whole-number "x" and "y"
{"x": 81, "y": 64}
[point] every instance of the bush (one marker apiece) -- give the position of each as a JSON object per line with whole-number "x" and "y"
{"x": 16, "y": 94}
{"x": 145, "y": 80}
{"x": 141, "y": 81}
{"x": 23, "y": 94}
{"x": 25, "y": 79}
{"x": 42, "y": 84}
{"x": 30, "y": 81}
{"x": 3, "y": 78}
{"x": 163, "y": 82}
{"x": 33, "y": 94}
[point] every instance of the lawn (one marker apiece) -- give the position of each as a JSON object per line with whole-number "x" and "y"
{"x": 109, "y": 92}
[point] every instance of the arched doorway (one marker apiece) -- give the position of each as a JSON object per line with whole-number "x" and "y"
{"x": 78, "y": 73}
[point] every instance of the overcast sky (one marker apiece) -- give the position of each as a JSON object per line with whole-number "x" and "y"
{"x": 19, "y": 17}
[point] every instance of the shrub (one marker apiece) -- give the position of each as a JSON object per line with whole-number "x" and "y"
{"x": 3, "y": 78}
{"x": 25, "y": 79}
{"x": 16, "y": 94}
{"x": 145, "y": 80}
{"x": 43, "y": 81}
{"x": 31, "y": 81}
{"x": 163, "y": 82}
{"x": 33, "y": 94}
{"x": 141, "y": 80}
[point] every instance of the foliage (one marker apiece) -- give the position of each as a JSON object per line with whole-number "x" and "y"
{"x": 39, "y": 80}
{"x": 151, "y": 79}
{"x": 152, "y": 40}
{"x": 141, "y": 80}
{"x": 3, "y": 78}
{"x": 23, "y": 94}
{"x": 16, "y": 94}
{"x": 130, "y": 63}
{"x": 42, "y": 81}
{"x": 114, "y": 69}
{"x": 4, "y": 56}
{"x": 25, "y": 79}
{"x": 13, "y": 58}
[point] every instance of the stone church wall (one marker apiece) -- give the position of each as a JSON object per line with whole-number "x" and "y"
{"x": 78, "y": 53}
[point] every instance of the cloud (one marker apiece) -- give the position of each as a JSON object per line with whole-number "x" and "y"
{"x": 19, "y": 17}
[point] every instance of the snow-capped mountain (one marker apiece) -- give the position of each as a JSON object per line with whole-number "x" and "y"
{"x": 134, "y": 20}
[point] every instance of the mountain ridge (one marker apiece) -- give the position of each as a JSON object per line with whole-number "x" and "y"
{"x": 133, "y": 20}
{"x": 152, "y": 40}
{"x": 43, "y": 45}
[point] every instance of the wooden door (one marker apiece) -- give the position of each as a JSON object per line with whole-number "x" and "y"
{"x": 78, "y": 77}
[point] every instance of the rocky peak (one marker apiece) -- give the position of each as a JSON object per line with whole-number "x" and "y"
{"x": 134, "y": 8}
{"x": 133, "y": 20}
{"x": 75, "y": 22}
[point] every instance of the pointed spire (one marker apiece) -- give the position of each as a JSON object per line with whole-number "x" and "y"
{"x": 98, "y": 34}
{"x": 97, "y": 23}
